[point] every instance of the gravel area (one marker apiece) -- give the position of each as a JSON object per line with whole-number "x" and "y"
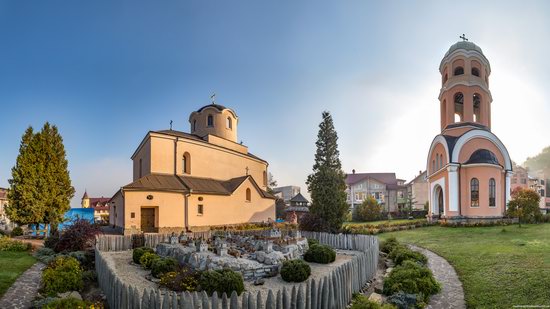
{"x": 135, "y": 275}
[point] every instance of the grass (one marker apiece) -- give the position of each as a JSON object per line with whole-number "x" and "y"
{"x": 499, "y": 266}
{"x": 384, "y": 222}
{"x": 13, "y": 264}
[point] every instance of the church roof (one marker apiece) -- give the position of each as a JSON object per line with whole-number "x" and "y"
{"x": 216, "y": 106}
{"x": 85, "y": 194}
{"x": 466, "y": 45}
{"x": 483, "y": 156}
{"x": 190, "y": 184}
{"x": 386, "y": 178}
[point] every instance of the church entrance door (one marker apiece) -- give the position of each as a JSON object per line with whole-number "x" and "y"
{"x": 148, "y": 220}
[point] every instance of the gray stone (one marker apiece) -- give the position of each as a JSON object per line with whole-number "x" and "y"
{"x": 71, "y": 294}
{"x": 375, "y": 297}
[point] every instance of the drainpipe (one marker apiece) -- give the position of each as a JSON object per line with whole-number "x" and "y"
{"x": 186, "y": 208}
{"x": 176, "y": 156}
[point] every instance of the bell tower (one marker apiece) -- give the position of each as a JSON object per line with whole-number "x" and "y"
{"x": 465, "y": 98}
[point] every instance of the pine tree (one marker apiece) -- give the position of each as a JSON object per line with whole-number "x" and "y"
{"x": 40, "y": 188}
{"x": 327, "y": 184}
{"x": 25, "y": 205}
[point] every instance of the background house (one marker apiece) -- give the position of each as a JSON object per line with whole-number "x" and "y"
{"x": 418, "y": 190}
{"x": 389, "y": 191}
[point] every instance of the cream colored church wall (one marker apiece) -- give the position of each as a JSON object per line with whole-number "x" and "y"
{"x": 116, "y": 210}
{"x": 169, "y": 208}
{"x": 207, "y": 161}
{"x": 483, "y": 173}
{"x": 234, "y": 209}
{"x": 144, "y": 154}
{"x": 219, "y": 128}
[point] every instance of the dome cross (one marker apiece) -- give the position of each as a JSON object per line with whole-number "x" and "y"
{"x": 464, "y": 38}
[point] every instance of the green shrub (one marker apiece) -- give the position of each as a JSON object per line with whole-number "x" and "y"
{"x": 62, "y": 274}
{"x": 17, "y": 231}
{"x": 312, "y": 241}
{"x": 221, "y": 281}
{"x": 66, "y": 303}
{"x": 389, "y": 244}
{"x": 7, "y": 244}
{"x": 147, "y": 259}
{"x": 163, "y": 265}
{"x": 89, "y": 276}
{"x": 411, "y": 278}
{"x": 401, "y": 254}
{"x": 138, "y": 252}
{"x": 369, "y": 210}
{"x": 320, "y": 254}
{"x": 361, "y": 301}
{"x": 295, "y": 271}
{"x": 405, "y": 301}
{"x": 44, "y": 255}
{"x": 182, "y": 280}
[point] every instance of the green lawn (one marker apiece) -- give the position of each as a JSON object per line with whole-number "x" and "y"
{"x": 499, "y": 269}
{"x": 13, "y": 264}
{"x": 377, "y": 223}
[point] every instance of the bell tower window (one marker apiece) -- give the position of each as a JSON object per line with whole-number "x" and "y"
{"x": 459, "y": 71}
{"x": 475, "y": 72}
{"x": 459, "y": 107}
{"x": 229, "y": 123}
{"x": 194, "y": 125}
{"x": 210, "y": 121}
{"x": 477, "y": 107}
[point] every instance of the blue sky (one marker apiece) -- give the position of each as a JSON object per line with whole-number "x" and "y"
{"x": 106, "y": 72}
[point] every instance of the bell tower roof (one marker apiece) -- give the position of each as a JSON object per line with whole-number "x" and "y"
{"x": 466, "y": 47}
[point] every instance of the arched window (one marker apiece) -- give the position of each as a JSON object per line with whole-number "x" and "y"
{"x": 475, "y": 72}
{"x": 492, "y": 192}
{"x": 186, "y": 163}
{"x": 194, "y": 125}
{"x": 229, "y": 123}
{"x": 210, "y": 122}
{"x": 459, "y": 71}
{"x": 433, "y": 166}
{"x": 474, "y": 192}
{"x": 437, "y": 162}
{"x": 477, "y": 107}
{"x": 459, "y": 106}
{"x": 248, "y": 195}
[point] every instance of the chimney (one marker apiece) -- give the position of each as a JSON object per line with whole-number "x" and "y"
{"x": 419, "y": 172}
{"x": 353, "y": 171}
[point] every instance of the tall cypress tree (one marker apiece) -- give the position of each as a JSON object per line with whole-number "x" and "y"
{"x": 40, "y": 188}
{"x": 25, "y": 205}
{"x": 327, "y": 184}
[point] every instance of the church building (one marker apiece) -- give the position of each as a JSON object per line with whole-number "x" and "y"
{"x": 190, "y": 181}
{"x": 468, "y": 167}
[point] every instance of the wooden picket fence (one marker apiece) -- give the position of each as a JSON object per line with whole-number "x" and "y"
{"x": 334, "y": 290}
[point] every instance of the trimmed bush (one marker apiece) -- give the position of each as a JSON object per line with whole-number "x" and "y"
{"x": 405, "y": 301}
{"x": 295, "y": 271}
{"x": 361, "y": 301}
{"x": 78, "y": 236}
{"x": 389, "y": 244}
{"x": 89, "y": 276}
{"x": 7, "y": 244}
{"x": 147, "y": 259}
{"x": 163, "y": 265}
{"x": 182, "y": 280}
{"x": 138, "y": 252}
{"x": 312, "y": 241}
{"x": 401, "y": 254}
{"x": 221, "y": 281}
{"x": 17, "y": 231}
{"x": 411, "y": 278}
{"x": 320, "y": 254}
{"x": 62, "y": 274}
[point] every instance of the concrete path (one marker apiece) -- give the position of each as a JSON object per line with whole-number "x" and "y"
{"x": 452, "y": 294}
{"x": 23, "y": 291}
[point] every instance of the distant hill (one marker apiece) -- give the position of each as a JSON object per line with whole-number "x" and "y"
{"x": 540, "y": 162}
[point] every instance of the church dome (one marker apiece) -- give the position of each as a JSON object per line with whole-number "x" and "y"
{"x": 483, "y": 156}
{"x": 216, "y": 106}
{"x": 465, "y": 46}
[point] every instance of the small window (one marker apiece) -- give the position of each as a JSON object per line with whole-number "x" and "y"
{"x": 186, "y": 163}
{"x": 132, "y": 215}
{"x": 459, "y": 71}
{"x": 210, "y": 121}
{"x": 265, "y": 178}
{"x": 248, "y": 195}
{"x": 200, "y": 209}
{"x": 433, "y": 166}
{"x": 475, "y": 72}
{"x": 229, "y": 123}
{"x": 474, "y": 192}
{"x": 492, "y": 192}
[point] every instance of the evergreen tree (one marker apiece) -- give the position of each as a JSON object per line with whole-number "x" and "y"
{"x": 327, "y": 184}
{"x": 40, "y": 188}
{"x": 25, "y": 205}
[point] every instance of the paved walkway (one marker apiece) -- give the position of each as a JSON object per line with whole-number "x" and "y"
{"x": 452, "y": 294}
{"x": 23, "y": 291}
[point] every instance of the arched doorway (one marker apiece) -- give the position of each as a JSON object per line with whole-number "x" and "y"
{"x": 439, "y": 202}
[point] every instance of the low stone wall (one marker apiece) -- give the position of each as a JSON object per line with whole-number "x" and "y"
{"x": 332, "y": 291}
